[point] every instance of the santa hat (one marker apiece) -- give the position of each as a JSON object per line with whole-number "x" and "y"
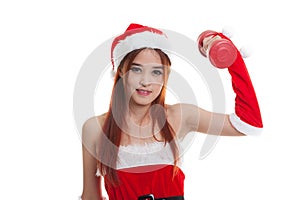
{"x": 135, "y": 37}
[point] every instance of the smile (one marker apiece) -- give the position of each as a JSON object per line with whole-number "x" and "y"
{"x": 143, "y": 92}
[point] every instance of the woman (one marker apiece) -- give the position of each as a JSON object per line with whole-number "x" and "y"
{"x": 135, "y": 146}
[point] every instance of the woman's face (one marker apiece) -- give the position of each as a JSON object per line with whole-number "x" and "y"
{"x": 145, "y": 78}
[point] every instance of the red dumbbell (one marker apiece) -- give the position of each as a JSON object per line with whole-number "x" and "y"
{"x": 221, "y": 52}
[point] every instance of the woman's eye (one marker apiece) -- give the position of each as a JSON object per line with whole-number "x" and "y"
{"x": 136, "y": 69}
{"x": 157, "y": 72}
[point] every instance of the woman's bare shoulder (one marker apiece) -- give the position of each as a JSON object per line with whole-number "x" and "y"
{"x": 174, "y": 109}
{"x": 178, "y": 117}
{"x": 92, "y": 128}
{"x": 181, "y": 108}
{"x": 94, "y": 123}
{"x": 174, "y": 117}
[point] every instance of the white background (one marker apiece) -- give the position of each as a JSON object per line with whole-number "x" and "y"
{"x": 43, "y": 45}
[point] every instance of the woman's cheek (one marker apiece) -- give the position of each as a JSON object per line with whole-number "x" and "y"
{"x": 132, "y": 84}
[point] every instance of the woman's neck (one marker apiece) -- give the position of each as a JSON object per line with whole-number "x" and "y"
{"x": 139, "y": 114}
{"x": 140, "y": 127}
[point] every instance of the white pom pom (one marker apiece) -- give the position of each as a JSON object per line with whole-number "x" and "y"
{"x": 112, "y": 73}
{"x": 98, "y": 174}
{"x": 246, "y": 51}
{"x": 228, "y": 31}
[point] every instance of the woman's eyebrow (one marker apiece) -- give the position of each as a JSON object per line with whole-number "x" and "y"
{"x": 140, "y": 65}
{"x": 159, "y": 67}
{"x": 155, "y": 66}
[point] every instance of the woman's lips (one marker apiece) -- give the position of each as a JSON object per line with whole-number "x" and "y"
{"x": 143, "y": 92}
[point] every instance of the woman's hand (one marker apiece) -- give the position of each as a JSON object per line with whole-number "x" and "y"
{"x": 207, "y": 42}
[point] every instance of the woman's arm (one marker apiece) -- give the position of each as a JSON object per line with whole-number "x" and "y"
{"x": 200, "y": 120}
{"x": 195, "y": 119}
{"x": 247, "y": 118}
{"x": 91, "y": 183}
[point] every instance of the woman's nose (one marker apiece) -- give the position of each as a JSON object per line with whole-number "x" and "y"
{"x": 144, "y": 83}
{"x": 145, "y": 80}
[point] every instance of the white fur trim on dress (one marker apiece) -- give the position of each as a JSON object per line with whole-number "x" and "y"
{"x": 148, "y": 154}
{"x": 243, "y": 127}
{"x": 141, "y": 155}
{"x": 138, "y": 41}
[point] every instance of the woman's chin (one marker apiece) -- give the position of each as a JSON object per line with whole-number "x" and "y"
{"x": 142, "y": 100}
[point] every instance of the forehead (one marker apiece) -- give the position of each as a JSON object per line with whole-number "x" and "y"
{"x": 147, "y": 56}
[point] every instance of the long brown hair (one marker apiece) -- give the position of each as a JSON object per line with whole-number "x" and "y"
{"x": 111, "y": 136}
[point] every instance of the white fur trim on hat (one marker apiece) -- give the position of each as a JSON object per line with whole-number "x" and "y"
{"x": 145, "y": 39}
{"x": 243, "y": 127}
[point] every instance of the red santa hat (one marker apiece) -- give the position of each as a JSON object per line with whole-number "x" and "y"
{"x": 135, "y": 37}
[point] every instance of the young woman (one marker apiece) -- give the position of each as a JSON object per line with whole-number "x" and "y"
{"x": 135, "y": 146}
